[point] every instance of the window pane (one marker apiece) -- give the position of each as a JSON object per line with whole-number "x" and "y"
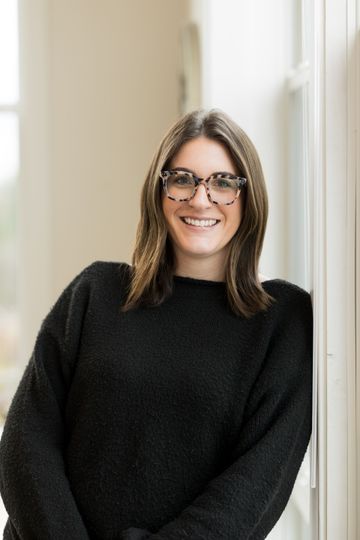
{"x": 9, "y": 80}
{"x": 9, "y": 323}
{"x": 9, "y": 150}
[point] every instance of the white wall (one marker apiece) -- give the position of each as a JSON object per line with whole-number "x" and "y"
{"x": 99, "y": 87}
{"x": 114, "y": 90}
{"x": 248, "y": 51}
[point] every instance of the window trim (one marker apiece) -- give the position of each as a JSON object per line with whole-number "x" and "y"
{"x": 335, "y": 122}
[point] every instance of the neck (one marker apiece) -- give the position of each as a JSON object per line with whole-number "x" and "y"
{"x": 201, "y": 267}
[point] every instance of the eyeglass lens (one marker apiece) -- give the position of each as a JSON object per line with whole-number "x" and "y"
{"x": 222, "y": 189}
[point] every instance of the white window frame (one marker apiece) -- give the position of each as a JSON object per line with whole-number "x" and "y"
{"x": 336, "y": 204}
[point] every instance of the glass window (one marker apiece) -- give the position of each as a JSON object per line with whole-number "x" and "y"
{"x": 9, "y": 168}
{"x": 9, "y": 73}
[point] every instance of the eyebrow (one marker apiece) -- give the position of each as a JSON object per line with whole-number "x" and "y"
{"x": 190, "y": 171}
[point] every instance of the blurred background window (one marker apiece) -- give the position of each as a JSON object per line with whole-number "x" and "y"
{"x": 9, "y": 168}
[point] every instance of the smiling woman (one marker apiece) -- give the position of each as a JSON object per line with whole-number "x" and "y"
{"x": 211, "y": 151}
{"x": 193, "y": 411}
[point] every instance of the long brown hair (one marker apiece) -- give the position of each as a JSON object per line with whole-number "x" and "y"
{"x": 153, "y": 261}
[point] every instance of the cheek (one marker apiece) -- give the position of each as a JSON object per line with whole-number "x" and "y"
{"x": 169, "y": 207}
{"x": 234, "y": 215}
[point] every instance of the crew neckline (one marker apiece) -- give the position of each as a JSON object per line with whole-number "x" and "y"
{"x": 198, "y": 281}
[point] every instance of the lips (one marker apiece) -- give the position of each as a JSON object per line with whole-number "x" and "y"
{"x": 199, "y": 218}
{"x": 199, "y": 227}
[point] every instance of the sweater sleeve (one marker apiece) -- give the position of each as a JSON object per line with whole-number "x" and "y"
{"x": 33, "y": 482}
{"x": 246, "y": 500}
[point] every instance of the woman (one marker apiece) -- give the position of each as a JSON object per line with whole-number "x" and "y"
{"x": 170, "y": 399}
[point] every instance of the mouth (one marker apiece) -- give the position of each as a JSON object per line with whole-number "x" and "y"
{"x": 201, "y": 224}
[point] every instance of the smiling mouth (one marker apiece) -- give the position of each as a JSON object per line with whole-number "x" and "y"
{"x": 200, "y": 223}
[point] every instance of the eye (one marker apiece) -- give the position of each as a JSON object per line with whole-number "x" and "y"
{"x": 223, "y": 183}
{"x": 179, "y": 179}
{"x": 183, "y": 180}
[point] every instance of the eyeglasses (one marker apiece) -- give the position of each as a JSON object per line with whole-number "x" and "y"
{"x": 221, "y": 188}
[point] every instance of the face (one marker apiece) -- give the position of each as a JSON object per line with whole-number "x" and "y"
{"x": 202, "y": 156}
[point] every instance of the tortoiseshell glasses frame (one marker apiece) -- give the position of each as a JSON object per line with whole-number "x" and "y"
{"x": 196, "y": 180}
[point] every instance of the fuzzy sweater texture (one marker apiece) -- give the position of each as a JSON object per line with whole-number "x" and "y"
{"x": 180, "y": 421}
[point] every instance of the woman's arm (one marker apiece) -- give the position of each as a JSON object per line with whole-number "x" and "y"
{"x": 246, "y": 500}
{"x": 33, "y": 483}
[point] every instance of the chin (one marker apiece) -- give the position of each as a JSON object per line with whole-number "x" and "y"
{"x": 197, "y": 249}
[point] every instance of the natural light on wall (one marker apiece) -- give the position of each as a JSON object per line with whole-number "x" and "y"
{"x": 9, "y": 168}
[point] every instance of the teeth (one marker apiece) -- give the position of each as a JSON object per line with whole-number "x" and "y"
{"x": 200, "y": 223}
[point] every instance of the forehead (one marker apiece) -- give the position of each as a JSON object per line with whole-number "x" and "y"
{"x": 204, "y": 156}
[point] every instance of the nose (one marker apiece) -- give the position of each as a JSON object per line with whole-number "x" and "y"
{"x": 200, "y": 198}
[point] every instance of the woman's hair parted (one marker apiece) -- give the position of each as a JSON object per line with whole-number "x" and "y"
{"x": 153, "y": 262}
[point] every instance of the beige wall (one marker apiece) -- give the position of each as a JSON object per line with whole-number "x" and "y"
{"x": 99, "y": 89}
{"x": 114, "y": 91}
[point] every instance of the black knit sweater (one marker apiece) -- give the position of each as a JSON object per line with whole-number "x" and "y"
{"x": 181, "y": 421}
